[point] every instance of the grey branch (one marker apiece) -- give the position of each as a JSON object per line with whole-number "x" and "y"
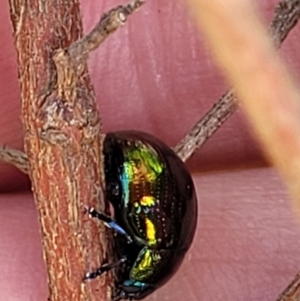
{"x": 71, "y": 62}
{"x": 15, "y": 157}
{"x": 287, "y": 14}
{"x": 207, "y": 126}
{"x": 109, "y": 22}
{"x": 292, "y": 292}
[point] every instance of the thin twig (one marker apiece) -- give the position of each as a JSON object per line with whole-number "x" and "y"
{"x": 292, "y": 292}
{"x": 71, "y": 62}
{"x": 207, "y": 126}
{"x": 14, "y": 157}
{"x": 287, "y": 14}
{"x": 109, "y": 22}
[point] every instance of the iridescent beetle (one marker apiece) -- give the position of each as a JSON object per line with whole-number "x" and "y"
{"x": 155, "y": 208}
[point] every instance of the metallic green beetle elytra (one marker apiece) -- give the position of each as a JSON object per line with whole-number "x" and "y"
{"x": 155, "y": 209}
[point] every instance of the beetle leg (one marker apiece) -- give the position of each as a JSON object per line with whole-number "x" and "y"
{"x": 117, "y": 298}
{"x": 104, "y": 268}
{"x": 120, "y": 295}
{"x": 108, "y": 222}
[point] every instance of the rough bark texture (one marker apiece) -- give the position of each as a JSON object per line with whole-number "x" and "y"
{"x": 62, "y": 134}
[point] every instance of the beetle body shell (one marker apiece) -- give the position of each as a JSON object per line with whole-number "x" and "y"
{"x": 154, "y": 201}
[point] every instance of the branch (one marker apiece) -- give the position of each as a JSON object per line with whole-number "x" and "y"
{"x": 71, "y": 62}
{"x": 292, "y": 292}
{"x": 14, "y": 157}
{"x": 78, "y": 53}
{"x": 287, "y": 14}
{"x": 108, "y": 23}
{"x": 63, "y": 139}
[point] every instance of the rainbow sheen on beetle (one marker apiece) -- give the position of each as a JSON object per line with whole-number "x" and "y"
{"x": 155, "y": 208}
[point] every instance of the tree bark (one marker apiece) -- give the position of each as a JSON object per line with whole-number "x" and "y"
{"x": 63, "y": 145}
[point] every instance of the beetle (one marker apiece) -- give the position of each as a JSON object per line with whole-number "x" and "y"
{"x": 155, "y": 212}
